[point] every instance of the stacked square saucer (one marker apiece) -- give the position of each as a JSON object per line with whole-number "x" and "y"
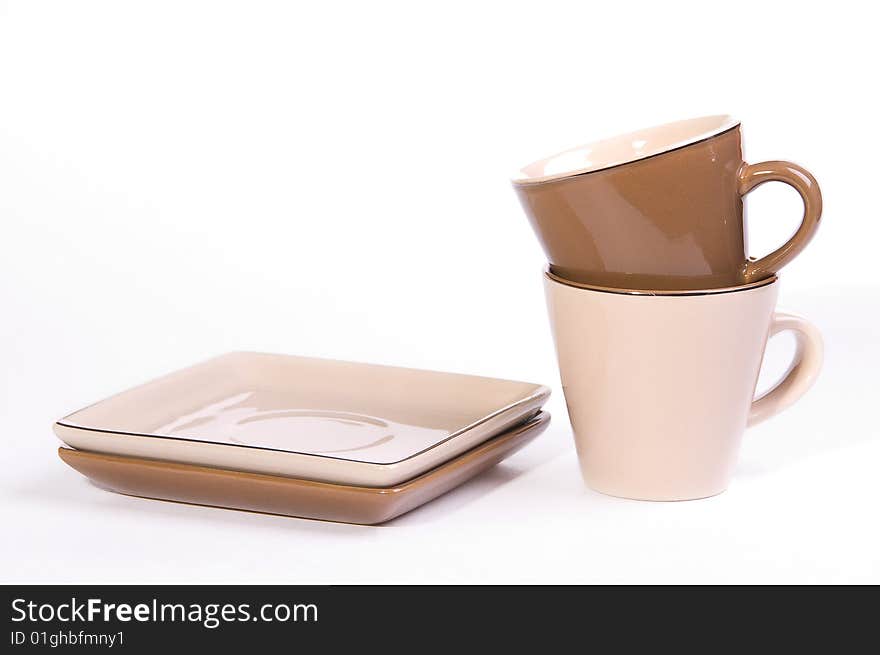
{"x": 314, "y": 438}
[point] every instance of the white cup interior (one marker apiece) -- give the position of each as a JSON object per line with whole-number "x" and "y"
{"x": 623, "y": 149}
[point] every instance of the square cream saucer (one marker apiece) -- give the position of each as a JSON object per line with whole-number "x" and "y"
{"x": 316, "y": 419}
{"x": 271, "y": 494}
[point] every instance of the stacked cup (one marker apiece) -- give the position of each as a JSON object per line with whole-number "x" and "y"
{"x": 659, "y": 316}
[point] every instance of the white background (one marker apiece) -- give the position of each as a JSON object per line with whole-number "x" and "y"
{"x": 180, "y": 179}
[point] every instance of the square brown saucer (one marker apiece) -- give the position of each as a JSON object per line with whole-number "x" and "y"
{"x": 259, "y": 492}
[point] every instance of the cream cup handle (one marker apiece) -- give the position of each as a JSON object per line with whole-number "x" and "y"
{"x": 801, "y": 374}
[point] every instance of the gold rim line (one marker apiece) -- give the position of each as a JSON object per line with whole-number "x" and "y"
{"x": 658, "y": 292}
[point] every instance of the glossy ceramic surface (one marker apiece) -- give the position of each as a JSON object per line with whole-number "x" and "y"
{"x": 291, "y": 496}
{"x": 301, "y": 417}
{"x": 658, "y": 209}
{"x": 660, "y": 389}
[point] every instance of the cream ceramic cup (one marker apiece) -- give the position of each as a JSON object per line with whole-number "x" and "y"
{"x": 660, "y": 388}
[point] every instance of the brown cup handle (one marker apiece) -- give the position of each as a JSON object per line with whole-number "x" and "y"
{"x": 754, "y": 175}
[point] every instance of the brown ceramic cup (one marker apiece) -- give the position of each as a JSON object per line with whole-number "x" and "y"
{"x": 660, "y": 208}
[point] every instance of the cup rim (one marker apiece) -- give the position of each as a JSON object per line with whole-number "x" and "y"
{"x": 548, "y": 274}
{"x": 709, "y": 127}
